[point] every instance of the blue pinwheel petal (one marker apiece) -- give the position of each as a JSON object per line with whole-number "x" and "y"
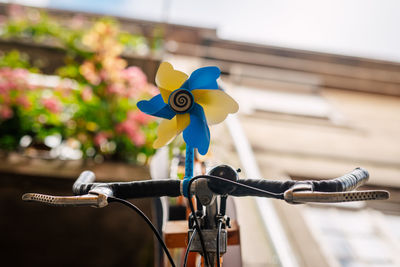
{"x": 156, "y": 107}
{"x": 203, "y": 78}
{"x": 197, "y": 134}
{"x": 185, "y": 85}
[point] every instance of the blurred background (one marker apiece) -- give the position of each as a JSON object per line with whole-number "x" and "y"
{"x": 318, "y": 84}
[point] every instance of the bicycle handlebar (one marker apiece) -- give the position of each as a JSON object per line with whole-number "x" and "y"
{"x": 171, "y": 188}
{"x": 291, "y": 191}
{"x": 223, "y": 181}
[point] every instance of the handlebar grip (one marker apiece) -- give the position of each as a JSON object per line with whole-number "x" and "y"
{"x": 354, "y": 179}
{"x": 135, "y": 189}
{"x": 84, "y": 182}
{"x": 347, "y": 182}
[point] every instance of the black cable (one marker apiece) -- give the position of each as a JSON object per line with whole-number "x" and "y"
{"x": 199, "y": 206}
{"x": 147, "y": 220}
{"x": 197, "y": 225}
{"x": 267, "y": 193}
{"x": 188, "y": 248}
{"x": 218, "y": 243}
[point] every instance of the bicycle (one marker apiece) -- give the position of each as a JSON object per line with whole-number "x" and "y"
{"x": 208, "y": 223}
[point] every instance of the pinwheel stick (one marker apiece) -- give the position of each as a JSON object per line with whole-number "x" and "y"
{"x": 189, "y": 161}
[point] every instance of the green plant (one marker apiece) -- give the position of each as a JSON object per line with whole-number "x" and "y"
{"x": 37, "y": 26}
{"x": 26, "y": 109}
{"x": 94, "y": 102}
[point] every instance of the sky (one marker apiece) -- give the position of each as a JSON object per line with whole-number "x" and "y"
{"x": 365, "y": 28}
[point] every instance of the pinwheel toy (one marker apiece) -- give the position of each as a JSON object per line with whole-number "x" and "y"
{"x": 188, "y": 105}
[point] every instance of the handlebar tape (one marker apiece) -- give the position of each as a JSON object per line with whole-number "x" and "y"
{"x": 152, "y": 188}
{"x": 137, "y": 189}
{"x": 346, "y": 182}
{"x": 267, "y": 185}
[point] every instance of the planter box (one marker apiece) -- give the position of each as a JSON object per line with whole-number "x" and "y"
{"x": 39, "y": 235}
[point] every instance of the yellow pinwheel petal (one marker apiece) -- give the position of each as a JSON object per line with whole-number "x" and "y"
{"x": 168, "y": 79}
{"x": 165, "y": 94}
{"x": 168, "y": 129}
{"x": 216, "y": 104}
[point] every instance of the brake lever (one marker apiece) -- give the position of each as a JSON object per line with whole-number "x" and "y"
{"x": 303, "y": 193}
{"x": 93, "y": 200}
{"x": 96, "y": 197}
{"x": 334, "y": 197}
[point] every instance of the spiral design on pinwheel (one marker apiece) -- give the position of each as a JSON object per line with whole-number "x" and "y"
{"x": 181, "y": 100}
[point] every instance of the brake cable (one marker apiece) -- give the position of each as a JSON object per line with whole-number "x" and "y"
{"x": 147, "y": 220}
{"x": 188, "y": 248}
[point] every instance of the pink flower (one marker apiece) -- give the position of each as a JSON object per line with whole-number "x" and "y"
{"x": 52, "y": 104}
{"x": 6, "y": 112}
{"x": 101, "y": 138}
{"x": 135, "y": 77}
{"x": 13, "y": 79}
{"x": 3, "y": 88}
{"x": 135, "y": 81}
{"x": 139, "y": 139}
{"x": 138, "y": 117}
{"x": 3, "y": 19}
{"x": 23, "y": 101}
{"x": 131, "y": 127}
{"x": 104, "y": 75}
{"x": 132, "y": 131}
{"x": 116, "y": 88}
{"x": 16, "y": 11}
{"x": 20, "y": 74}
{"x": 87, "y": 94}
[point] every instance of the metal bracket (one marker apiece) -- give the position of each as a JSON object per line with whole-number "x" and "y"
{"x": 299, "y": 187}
{"x": 210, "y": 240}
{"x": 203, "y": 192}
